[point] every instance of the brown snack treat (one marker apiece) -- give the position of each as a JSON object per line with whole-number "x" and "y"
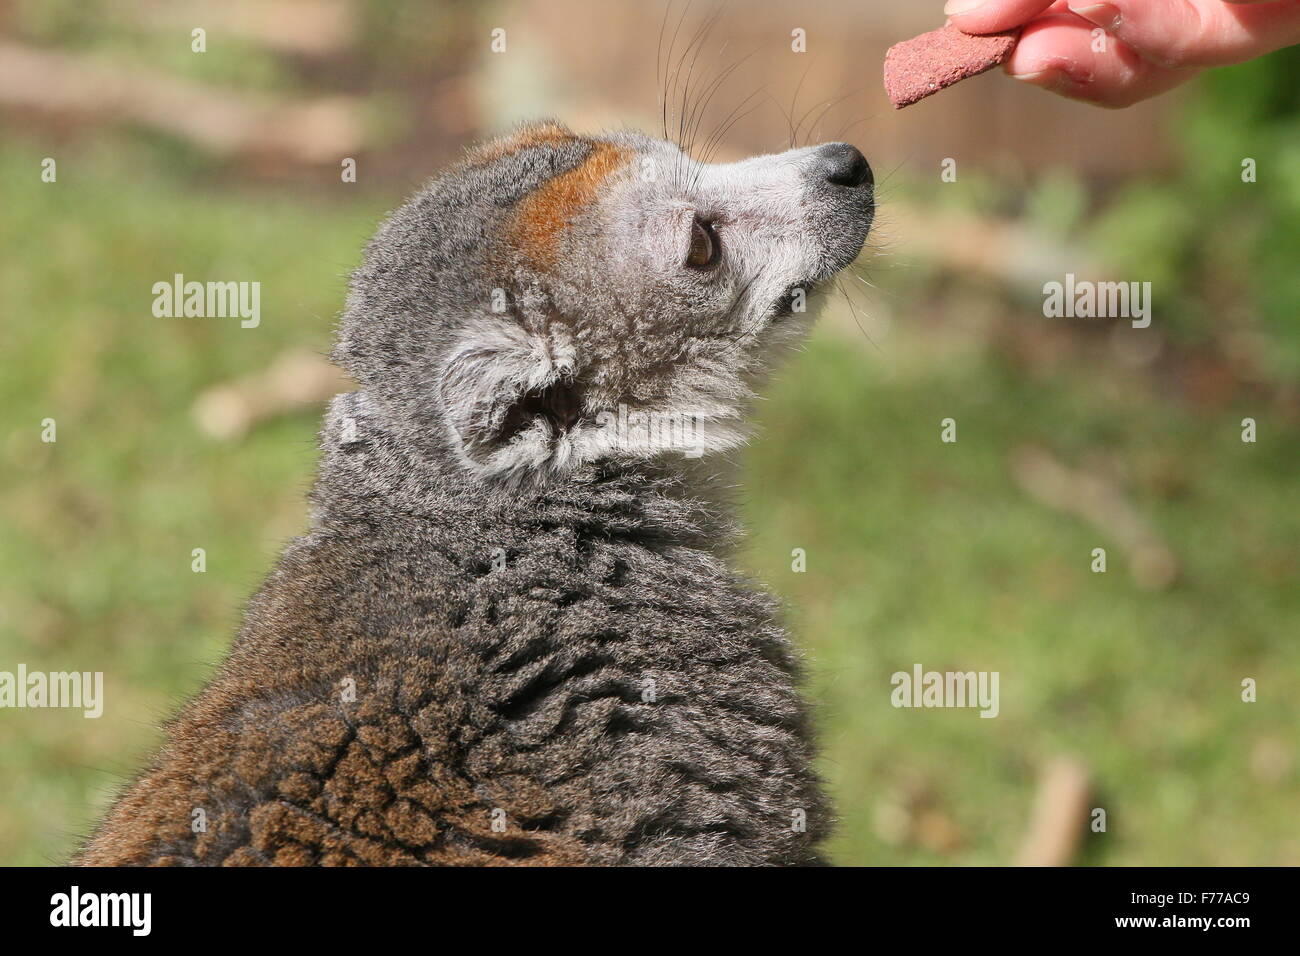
{"x": 926, "y": 64}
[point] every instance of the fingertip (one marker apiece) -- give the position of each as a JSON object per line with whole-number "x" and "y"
{"x": 1052, "y": 45}
{"x": 992, "y": 16}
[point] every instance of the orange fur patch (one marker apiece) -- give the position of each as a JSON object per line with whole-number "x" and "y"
{"x": 543, "y": 215}
{"x": 535, "y": 134}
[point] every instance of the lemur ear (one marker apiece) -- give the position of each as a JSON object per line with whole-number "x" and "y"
{"x": 508, "y": 396}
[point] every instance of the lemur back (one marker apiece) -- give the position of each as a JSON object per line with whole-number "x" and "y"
{"x": 510, "y": 636}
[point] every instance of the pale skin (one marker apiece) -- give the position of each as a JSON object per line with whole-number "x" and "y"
{"x": 1150, "y": 46}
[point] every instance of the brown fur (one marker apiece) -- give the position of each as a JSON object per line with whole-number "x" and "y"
{"x": 374, "y": 782}
{"x": 454, "y": 668}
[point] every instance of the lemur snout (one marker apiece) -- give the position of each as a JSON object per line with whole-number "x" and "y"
{"x": 841, "y": 164}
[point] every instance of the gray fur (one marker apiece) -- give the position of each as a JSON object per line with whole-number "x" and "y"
{"x": 539, "y": 621}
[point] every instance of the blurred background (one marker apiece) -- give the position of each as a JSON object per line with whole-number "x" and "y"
{"x": 1119, "y": 690}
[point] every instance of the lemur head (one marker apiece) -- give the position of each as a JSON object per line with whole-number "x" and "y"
{"x": 558, "y": 301}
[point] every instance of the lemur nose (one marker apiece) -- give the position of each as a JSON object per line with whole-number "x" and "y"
{"x": 842, "y": 165}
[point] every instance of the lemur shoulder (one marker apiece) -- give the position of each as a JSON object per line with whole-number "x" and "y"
{"x": 510, "y": 635}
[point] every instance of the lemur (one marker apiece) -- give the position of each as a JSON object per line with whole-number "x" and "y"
{"x": 510, "y": 635}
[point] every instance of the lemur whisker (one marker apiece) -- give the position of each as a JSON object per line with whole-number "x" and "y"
{"x": 748, "y": 335}
{"x": 827, "y": 107}
{"x": 661, "y": 68}
{"x": 691, "y": 109}
{"x": 741, "y": 296}
{"x": 715, "y": 138}
{"x": 839, "y": 133}
{"x": 692, "y": 50}
{"x": 881, "y": 183}
{"x": 854, "y": 312}
{"x": 697, "y": 42}
{"x": 702, "y": 104}
{"x": 857, "y": 274}
{"x": 659, "y": 75}
{"x": 715, "y": 141}
{"x": 711, "y": 91}
{"x": 671, "y": 73}
{"x": 777, "y": 104}
{"x": 821, "y": 110}
{"x": 798, "y": 127}
{"x": 794, "y": 104}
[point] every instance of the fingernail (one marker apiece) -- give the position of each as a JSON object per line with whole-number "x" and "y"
{"x": 1105, "y": 15}
{"x": 955, "y": 7}
{"x": 1050, "y": 79}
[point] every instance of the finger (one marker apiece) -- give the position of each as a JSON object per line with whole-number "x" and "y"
{"x": 1196, "y": 33}
{"x": 1059, "y": 52}
{"x": 992, "y": 16}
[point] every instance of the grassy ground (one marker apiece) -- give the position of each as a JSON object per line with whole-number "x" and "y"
{"x": 917, "y": 551}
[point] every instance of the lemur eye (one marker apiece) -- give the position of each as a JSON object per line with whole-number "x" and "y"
{"x": 705, "y": 249}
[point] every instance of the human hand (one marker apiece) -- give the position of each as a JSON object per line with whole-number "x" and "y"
{"x": 1150, "y": 46}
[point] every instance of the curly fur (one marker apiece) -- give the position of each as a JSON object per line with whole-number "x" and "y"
{"x": 506, "y": 640}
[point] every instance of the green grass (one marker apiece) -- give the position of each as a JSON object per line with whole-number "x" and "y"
{"x": 918, "y": 551}
{"x": 96, "y": 530}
